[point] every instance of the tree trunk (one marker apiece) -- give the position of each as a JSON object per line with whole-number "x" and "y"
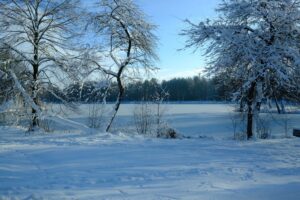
{"x": 249, "y": 122}
{"x": 118, "y": 103}
{"x": 242, "y": 102}
{"x": 282, "y": 106}
{"x": 242, "y": 105}
{"x": 277, "y": 106}
{"x": 35, "y": 74}
{"x": 250, "y": 101}
{"x": 35, "y": 121}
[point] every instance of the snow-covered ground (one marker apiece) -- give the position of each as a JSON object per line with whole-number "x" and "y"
{"x": 76, "y": 164}
{"x": 210, "y": 119}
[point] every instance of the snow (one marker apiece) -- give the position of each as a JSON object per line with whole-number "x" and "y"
{"x": 247, "y": 46}
{"x": 72, "y": 164}
{"x": 194, "y": 120}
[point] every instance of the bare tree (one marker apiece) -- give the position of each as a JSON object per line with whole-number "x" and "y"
{"x": 39, "y": 33}
{"x": 129, "y": 42}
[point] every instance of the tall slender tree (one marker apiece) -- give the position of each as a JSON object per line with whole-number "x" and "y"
{"x": 129, "y": 42}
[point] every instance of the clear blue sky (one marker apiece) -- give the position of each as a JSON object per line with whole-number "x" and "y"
{"x": 169, "y": 16}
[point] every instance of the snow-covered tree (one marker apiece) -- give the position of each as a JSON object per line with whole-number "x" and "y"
{"x": 254, "y": 42}
{"x": 6, "y": 85}
{"x": 39, "y": 34}
{"x": 128, "y": 42}
{"x": 10, "y": 64}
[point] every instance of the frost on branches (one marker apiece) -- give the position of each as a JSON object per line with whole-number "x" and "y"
{"x": 129, "y": 43}
{"x": 38, "y": 34}
{"x": 256, "y": 44}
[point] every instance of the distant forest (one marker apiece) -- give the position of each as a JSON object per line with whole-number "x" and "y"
{"x": 177, "y": 89}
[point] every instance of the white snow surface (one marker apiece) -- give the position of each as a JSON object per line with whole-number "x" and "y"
{"x": 90, "y": 165}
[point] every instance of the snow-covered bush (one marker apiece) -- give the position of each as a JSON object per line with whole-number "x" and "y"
{"x": 286, "y": 124}
{"x": 46, "y": 125}
{"x": 148, "y": 116}
{"x": 167, "y": 132}
{"x": 263, "y": 127}
{"x": 238, "y": 121}
{"x": 144, "y": 120}
{"x": 96, "y": 115}
{"x": 148, "y": 120}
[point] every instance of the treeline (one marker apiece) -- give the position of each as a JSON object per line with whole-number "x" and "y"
{"x": 177, "y": 89}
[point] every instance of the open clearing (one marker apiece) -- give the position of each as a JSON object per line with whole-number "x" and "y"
{"x": 82, "y": 165}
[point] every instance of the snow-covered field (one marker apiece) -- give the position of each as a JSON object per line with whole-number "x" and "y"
{"x": 76, "y": 164}
{"x": 209, "y": 119}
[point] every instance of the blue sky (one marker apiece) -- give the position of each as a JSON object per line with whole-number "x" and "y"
{"x": 169, "y": 16}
